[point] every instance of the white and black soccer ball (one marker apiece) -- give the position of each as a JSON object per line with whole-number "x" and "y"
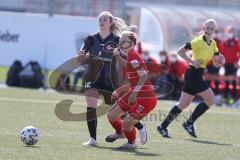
{"x": 30, "y": 135}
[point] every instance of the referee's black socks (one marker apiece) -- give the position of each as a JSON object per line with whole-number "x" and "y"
{"x": 92, "y": 121}
{"x": 174, "y": 112}
{"x": 199, "y": 110}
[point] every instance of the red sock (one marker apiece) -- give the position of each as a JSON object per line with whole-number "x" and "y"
{"x": 117, "y": 125}
{"x": 131, "y": 136}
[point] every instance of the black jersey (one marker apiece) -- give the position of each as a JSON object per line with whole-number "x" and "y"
{"x": 102, "y": 64}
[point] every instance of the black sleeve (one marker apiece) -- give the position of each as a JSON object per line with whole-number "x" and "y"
{"x": 88, "y": 42}
{"x": 188, "y": 46}
{"x": 216, "y": 53}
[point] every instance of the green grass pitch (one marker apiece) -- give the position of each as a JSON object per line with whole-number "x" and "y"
{"x": 218, "y": 132}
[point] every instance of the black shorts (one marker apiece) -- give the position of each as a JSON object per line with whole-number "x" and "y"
{"x": 212, "y": 70}
{"x": 193, "y": 81}
{"x": 230, "y": 69}
{"x": 105, "y": 90}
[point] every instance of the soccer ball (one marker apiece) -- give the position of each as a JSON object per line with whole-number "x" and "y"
{"x": 218, "y": 61}
{"x": 30, "y": 135}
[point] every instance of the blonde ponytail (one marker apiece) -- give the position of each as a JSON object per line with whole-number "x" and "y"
{"x": 118, "y": 24}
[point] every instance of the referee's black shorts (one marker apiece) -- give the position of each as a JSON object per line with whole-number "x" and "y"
{"x": 193, "y": 81}
{"x": 212, "y": 70}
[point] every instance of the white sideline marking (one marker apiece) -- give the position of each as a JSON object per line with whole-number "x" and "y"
{"x": 32, "y": 100}
{"x": 83, "y": 103}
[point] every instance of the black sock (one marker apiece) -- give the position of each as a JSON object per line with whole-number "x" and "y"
{"x": 226, "y": 89}
{"x": 199, "y": 110}
{"x": 234, "y": 93}
{"x": 139, "y": 125}
{"x": 92, "y": 121}
{"x": 174, "y": 112}
{"x": 216, "y": 87}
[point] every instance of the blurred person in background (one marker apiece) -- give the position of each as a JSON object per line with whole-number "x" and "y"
{"x": 152, "y": 66}
{"x": 63, "y": 83}
{"x": 163, "y": 58}
{"x": 155, "y": 73}
{"x": 78, "y": 74}
{"x": 177, "y": 69}
{"x": 164, "y": 61}
{"x": 212, "y": 72}
{"x": 231, "y": 52}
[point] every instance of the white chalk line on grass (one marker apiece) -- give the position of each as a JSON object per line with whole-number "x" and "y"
{"x": 84, "y": 103}
{"x": 33, "y": 100}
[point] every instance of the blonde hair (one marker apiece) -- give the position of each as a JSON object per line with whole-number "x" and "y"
{"x": 118, "y": 24}
{"x": 208, "y": 21}
{"x": 134, "y": 29}
{"x": 131, "y": 35}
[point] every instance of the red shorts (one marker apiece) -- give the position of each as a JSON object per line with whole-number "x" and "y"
{"x": 141, "y": 108}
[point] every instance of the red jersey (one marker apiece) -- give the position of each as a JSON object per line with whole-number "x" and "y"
{"x": 135, "y": 63}
{"x": 219, "y": 46}
{"x": 231, "y": 50}
{"x": 153, "y": 66}
{"x": 178, "y": 68}
{"x": 146, "y": 99}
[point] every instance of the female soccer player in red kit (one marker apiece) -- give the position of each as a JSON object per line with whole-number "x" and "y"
{"x": 231, "y": 50}
{"x": 138, "y": 96}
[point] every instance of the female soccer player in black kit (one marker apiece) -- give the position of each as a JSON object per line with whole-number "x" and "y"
{"x": 204, "y": 49}
{"x": 101, "y": 75}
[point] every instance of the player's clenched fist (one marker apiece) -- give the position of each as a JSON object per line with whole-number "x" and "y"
{"x": 116, "y": 52}
{"x": 80, "y": 55}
